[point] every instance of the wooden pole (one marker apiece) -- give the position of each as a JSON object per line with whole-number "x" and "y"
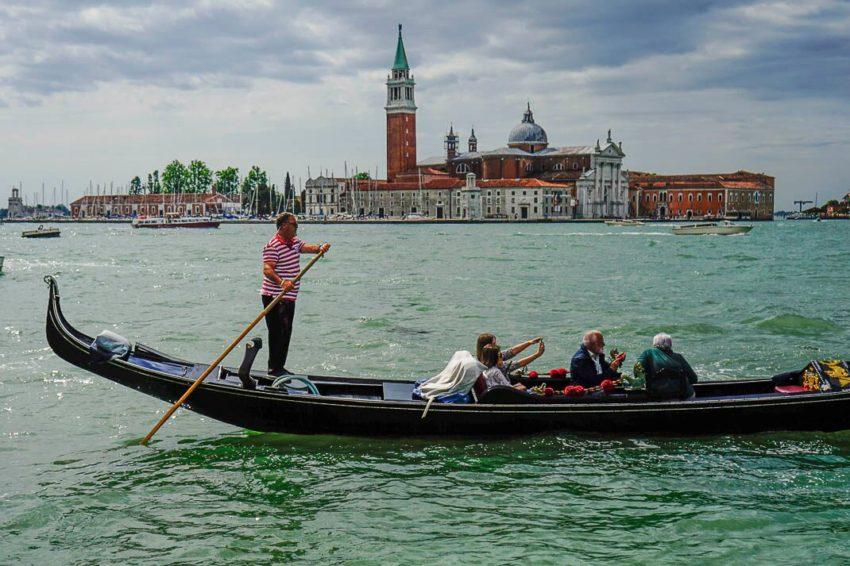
{"x": 227, "y": 350}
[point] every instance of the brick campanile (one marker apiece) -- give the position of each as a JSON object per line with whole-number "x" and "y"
{"x": 401, "y": 115}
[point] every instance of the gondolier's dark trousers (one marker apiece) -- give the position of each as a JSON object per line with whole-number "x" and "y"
{"x": 279, "y": 322}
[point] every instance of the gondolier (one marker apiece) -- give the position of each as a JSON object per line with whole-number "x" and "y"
{"x": 281, "y": 263}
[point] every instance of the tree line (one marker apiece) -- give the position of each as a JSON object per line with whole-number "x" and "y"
{"x": 258, "y": 195}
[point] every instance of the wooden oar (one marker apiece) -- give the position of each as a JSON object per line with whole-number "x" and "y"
{"x": 227, "y": 350}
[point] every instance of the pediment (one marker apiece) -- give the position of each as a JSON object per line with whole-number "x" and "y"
{"x": 612, "y": 150}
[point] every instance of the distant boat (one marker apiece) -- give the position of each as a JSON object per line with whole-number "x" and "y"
{"x": 624, "y": 222}
{"x": 1, "y": 263}
{"x": 711, "y": 228}
{"x": 41, "y": 232}
{"x": 173, "y": 220}
{"x": 802, "y": 216}
{"x": 416, "y": 217}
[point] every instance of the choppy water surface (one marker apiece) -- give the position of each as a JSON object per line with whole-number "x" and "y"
{"x": 397, "y": 301}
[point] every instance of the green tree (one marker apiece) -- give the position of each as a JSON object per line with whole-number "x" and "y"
{"x": 363, "y": 175}
{"x": 136, "y": 186}
{"x": 198, "y": 177}
{"x": 227, "y": 180}
{"x": 254, "y": 186}
{"x": 175, "y": 178}
{"x": 154, "y": 187}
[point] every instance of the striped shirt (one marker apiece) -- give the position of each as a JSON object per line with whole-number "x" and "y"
{"x": 285, "y": 256}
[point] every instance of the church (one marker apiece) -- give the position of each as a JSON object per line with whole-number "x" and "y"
{"x": 525, "y": 179}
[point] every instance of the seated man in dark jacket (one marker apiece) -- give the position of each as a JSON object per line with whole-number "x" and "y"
{"x": 668, "y": 375}
{"x": 588, "y": 366}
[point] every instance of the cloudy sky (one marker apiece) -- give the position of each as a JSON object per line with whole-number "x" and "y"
{"x": 106, "y": 91}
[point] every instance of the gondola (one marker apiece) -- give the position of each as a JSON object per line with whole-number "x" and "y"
{"x": 377, "y": 407}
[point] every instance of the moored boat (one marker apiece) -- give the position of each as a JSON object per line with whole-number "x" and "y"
{"x": 173, "y": 220}
{"x": 363, "y": 406}
{"x": 41, "y": 232}
{"x": 624, "y": 222}
{"x": 1, "y": 263}
{"x": 711, "y": 228}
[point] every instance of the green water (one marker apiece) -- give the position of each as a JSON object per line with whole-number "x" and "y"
{"x": 396, "y": 301}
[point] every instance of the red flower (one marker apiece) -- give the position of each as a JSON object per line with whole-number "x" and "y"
{"x": 607, "y": 385}
{"x": 548, "y": 392}
{"x": 553, "y": 372}
{"x": 562, "y": 372}
{"x": 532, "y": 374}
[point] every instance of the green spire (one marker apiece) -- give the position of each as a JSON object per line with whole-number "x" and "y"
{"x": 400, "y": 56}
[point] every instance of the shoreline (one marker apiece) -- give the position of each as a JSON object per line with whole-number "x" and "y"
{"x": 386, "y": 221}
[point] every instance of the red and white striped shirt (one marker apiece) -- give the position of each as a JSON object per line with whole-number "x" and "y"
{"x": 286, "y": 258}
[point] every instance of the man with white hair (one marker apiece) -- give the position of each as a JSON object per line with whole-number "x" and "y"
{"x": 589, "y": 366}
{"x": 668, "y": 375}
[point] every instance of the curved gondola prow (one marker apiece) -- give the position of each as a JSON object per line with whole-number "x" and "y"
{"x": 60, "y": 333}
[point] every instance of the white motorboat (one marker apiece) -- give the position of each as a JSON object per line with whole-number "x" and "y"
{"x": 624, "y": 222}
{"x": 174, "y": 220}
{"x": 416, "y": 217}
{"x": 711, "y": 228}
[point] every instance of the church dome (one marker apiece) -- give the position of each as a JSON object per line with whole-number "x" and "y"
{"x": 527, "y": 132}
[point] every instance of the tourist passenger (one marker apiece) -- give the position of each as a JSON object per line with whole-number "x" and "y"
{"x": 668, "y": 375}
{"x": 281, "y": 264}
{"x": 589, "y": 366}
{"x": 488, "y": 338}
{"x": 498, "y": 369}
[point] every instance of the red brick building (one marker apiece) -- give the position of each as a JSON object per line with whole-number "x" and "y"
{"x": 716, "y": 195}
{"x": 188, "y": 204}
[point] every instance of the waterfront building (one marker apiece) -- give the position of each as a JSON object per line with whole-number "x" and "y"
{"x": 593, "y": 176}
{"x": 16, "y": 204}
{"x": 185, "y": 204}
{"x": 440, "y": 197}
{"x": 527, "y": 179}
{"x": 717, "y": 195}
{"x": 17, "y": 208}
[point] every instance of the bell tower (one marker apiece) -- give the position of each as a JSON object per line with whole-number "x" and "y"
{"x": 401, "y": 115}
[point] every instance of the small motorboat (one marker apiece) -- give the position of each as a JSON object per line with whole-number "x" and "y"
{"x": 624, "y": 222}
{"x": 174, "y": 220}
{"x": 798, "y": 400}
{"x": 1, "y": 263}
{"x": 416, "y": 217}
{"x": 711, "y": 228}
{"x": 41, "y": 232}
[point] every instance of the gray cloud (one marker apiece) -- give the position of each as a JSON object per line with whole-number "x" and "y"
{"x": 72, "y": 46}
{"x": 698, "y": 85}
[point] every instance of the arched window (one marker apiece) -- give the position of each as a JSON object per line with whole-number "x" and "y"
{"x": 720, "y": 197}
{"x": 691, "y": 197}
{"x": 558, "y": 167}
{"x": 575, "y": 166}
{"x": 757, "y": 197}
{"x": 699, "y": 197}
{"x": 654, "y": 198}
{"x": 462, "y": 168}
{"x": 709, "y": 197}
{"x": 529, "y": 167}
{"x": 680, "y": 197}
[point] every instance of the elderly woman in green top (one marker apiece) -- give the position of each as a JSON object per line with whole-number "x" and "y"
{"x": 668, "y": 375}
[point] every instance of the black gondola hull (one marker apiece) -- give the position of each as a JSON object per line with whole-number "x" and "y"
{"x": 351, "y": 413}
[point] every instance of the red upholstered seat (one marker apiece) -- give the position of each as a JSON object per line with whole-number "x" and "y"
{"x": 789, "y": 389}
